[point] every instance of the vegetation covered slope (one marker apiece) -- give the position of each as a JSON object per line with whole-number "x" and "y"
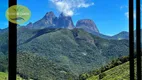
{"x": 3, "y": 51}
{"x": 119, "y": 72}
{"x": 62, "y": 52}
{"x": 4, "y": 76}
{"x": 75, "y": 51}
{"x": 31, "y": 66}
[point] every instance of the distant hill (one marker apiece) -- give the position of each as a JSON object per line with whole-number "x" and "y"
{"x": 125, "y": 35}
{"x": 121, "y": 35}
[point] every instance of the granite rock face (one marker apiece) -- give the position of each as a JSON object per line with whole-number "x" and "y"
{"x": 51, "y": 21}
{"x": 65, "y": 22}
{"x": 88, "y": 25}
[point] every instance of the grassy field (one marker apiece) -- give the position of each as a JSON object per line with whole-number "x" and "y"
{"x": 4, "y": 76}
{"x": 120, "y": 72}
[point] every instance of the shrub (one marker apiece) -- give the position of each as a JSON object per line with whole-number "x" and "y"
{"x": 102, "y": 75}
{"x": 83, "y": 76}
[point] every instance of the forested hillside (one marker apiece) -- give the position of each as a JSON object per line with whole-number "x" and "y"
{"x": 118, "y": 69}
{"x": 61, "y": 54}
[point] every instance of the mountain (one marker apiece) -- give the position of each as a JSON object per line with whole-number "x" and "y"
{"x": 52, "y": 49}
{"x": 73, "y": 51}
{"x": 121, "y": 35}
{"x": 65, "y": 22}
{"x": 125, "y": 35}
{"x": 61, "y": 53}
{"x": 51, "y": 21}
{"x": 3, "y": 30}
{"x": 87, "y": 25}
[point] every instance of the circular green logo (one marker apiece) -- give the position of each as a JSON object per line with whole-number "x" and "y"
{"x": 18, "y": 14}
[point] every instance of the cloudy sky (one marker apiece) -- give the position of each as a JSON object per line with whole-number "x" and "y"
{"x": 110, "y": 16}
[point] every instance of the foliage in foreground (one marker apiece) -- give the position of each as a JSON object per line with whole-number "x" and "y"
{"x": 118, "y": 72}
{"x": 4, "y": 76}
{"x": 31, "y": 66}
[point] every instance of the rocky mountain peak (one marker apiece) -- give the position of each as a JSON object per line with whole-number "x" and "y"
{"x": 29, "y": 25}
{"x": 65, "y": 21}
{"x": 61, "y": 15}
{"x": 50, "y": 15}
{"x": 88, "y": 25}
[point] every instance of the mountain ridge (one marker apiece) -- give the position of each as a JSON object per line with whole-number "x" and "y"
{"x": 51, "y": 21}
{"x": 62, "y": 21}
{"x": 88, "y": 25}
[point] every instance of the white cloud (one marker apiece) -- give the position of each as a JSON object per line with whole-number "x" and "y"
{"x": 69, "y": 6}
{"x": 121, "y": 7}
{"x": 127, "y": 15}
{"x": 84, "y": 5}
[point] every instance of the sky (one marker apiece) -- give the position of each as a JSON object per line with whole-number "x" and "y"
{"x": 3, "y": 8}
{"x": 110, "y": 16}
